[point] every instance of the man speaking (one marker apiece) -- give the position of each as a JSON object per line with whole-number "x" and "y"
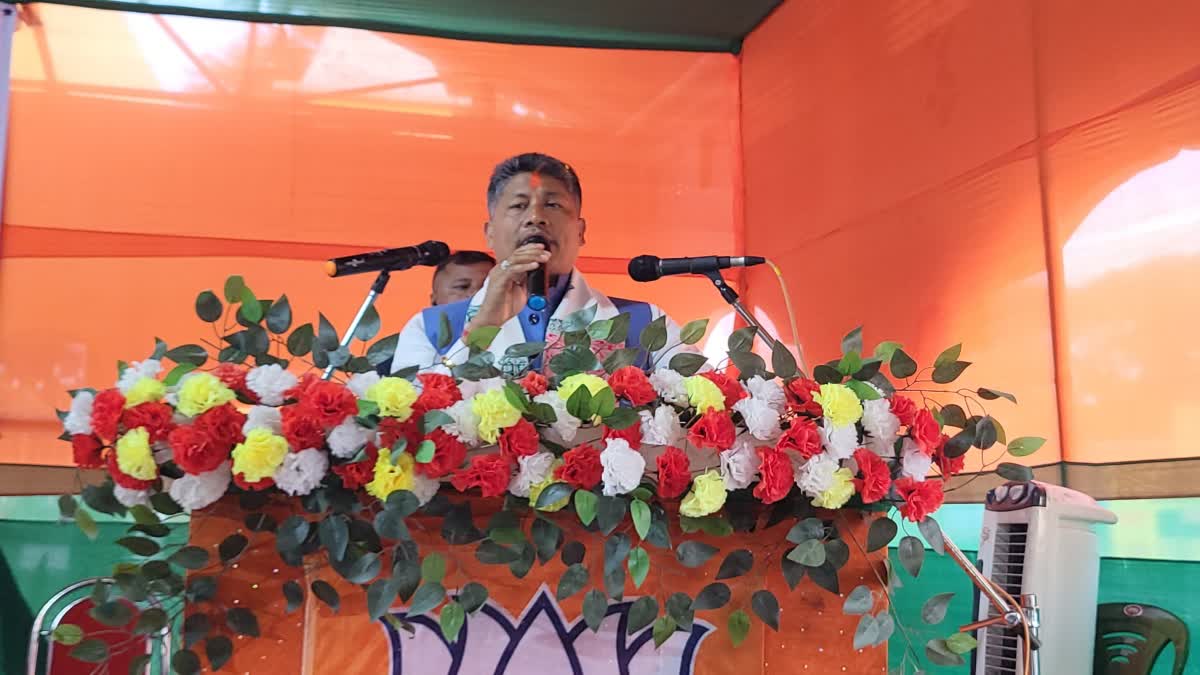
{"x": 535, "y": 230}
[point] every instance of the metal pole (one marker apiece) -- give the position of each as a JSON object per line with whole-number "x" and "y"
{"x": 8, "y": 25}
{"x": 376, "y": 288}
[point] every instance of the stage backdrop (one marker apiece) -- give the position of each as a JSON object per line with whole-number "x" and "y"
{"x": 151, "y": 156}
{"x": 1021, "y": 176}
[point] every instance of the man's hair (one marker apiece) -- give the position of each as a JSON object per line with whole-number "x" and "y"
{"x": 465, "y": 258}
{"x": 532, "y": 162}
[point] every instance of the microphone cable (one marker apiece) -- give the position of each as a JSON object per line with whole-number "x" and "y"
{"x": 787, "y": 302}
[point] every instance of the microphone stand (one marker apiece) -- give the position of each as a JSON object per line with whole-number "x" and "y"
{"x": 731, "y": 297}
{"x": 377, "y": 288}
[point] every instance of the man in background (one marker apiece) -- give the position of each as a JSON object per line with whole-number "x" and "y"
{"x": 460, "y": 276}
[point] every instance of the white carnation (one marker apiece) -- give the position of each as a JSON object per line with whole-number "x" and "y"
{"x": 533, "y": 469}
{"x": 762, "y": 421}
{"x": 361, "y": 382}
{"x": 263, "y": 417}
{"x": 347, "y": 438}
{"x": 136, "y": 371}
{"x": 768, "y": 391}
{"x": 198, "y": 491}
{"x": 840, "y": 442}
{"x": 131, "y": 498}
{"x": 470, "y": 389}
{"x": 881, "y": 427}
{"x": 424, "y": 488}
{"x": 816, "y": 475}
{"x": 669, "y": 385}
{"x": 301, "y": 471}
{"x": 662, "y": 427}
{"x": 269, "y": 382}
{"x": 465, "y": 426}
{"x": 739, "y": 464}
{"x": 565, "y": 425}
{"x": 79, "y": 419}
{"x": 914, "y": 463}
{"x": 623, "y": 467}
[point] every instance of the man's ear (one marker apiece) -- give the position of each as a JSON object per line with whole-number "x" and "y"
{"x": 487, "y": 233}
{"x": 582, "y": 231}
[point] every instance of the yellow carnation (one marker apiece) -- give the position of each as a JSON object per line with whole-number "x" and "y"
{"x": 134, "y": 457}
{"x": 395, "y": 397}
{"x": 202, "y": 392}
{"x": 840, "y": 403}
{"x": 145, "y": 390}
{"x": 391, "y": 477}
{"x": 594, "y": 384}
{"x": 494, "y": 412}
{"x": 707, "y": 495}
{"x": 703, "y": 394}
{"x": 259, "y": 455}
{"x": 839, "y": 491}
{"x": 535, "y": 491}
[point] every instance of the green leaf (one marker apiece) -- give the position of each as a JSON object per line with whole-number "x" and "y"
{"x": 654, "y": 335}
{"x": 953, "y": 416}
{"x": 177, "y": 373}
{"x": 639, "y": 565}
{"x": 585, "y": 506}
{"x": 863, "y": 391}
{"x": 547, "y": 537}
{"x": 232, "y": 547}
{"x": 616, "y": 548}
{"x": 902, "y": 364}
{"x": 766, "y": 607}
{"x": 208, "y": 307}
{"x": 403, "y": 502}
{"x": 850, "y": 364}
{"x": 870, "y": 368}
{"x": 574, "y": 360}
{"x": 939, "y": 653}
{"x": 881, "y": 533}
{"x": 358, "y": 570}
{"x": 664, "y": 628}
{"x": 853, "y": 341}
{"x": 736, "y": 564}
{"x": 961, "y": 643}
{"x": 334, "y": 535}
{"x": 1015, "y": 472}
{"x": 610, "y": 511}
{"x": 300, "y": 342}
{"x": 985, "y": 433}
{"x": 218, "y": 649}
{"x": 621, "y": 418}
{"x": 810, "y": 553}
{"x": 327, "y": 336}
{"x": 912, "y": 555}
{"x": 933, "y": 611}
{"x": 679, "y": 608}
{"x": 193, "y": 354}
{"x": 738, "y": 627}
{"x": 291, "y": 533}
{"x": 369, "y": 326}
{"x": 860, "y": 601}
{"x": 380, "y": 595}
{"x": 242, "y": 621}
{"x": 383, "y": 350}
{"x": 279, "y": 316}
{"x": 491, "y": 553}
{"x": 151, "y": 621}
{"x": 948, "y": 356}
{"x": 960, "y": 443}
{"x": 713, "y": 596}
{"x": 294, "y": 594}
{"x": 195, "y": 628}
{"x": 472, "y": 596}
{"x": 572, "y": 581}
{"x": 251, "y": 310}
{"x": 67, "y": 634}
{"x": 113, "y": 613}
{"x": 742, "y": 340}
{"x": 605, "y": 402}
{"x": 600, "y": 330}
{"x": 525, "y": 350}
{"x": 185, "y": 661}
{"x": 1025, "y": 446}
{"x": 444, "y": 337}
{"x": 233, "y": 288}
{"x": 933, "y": 534}
{"x": 949, "y": 372}
{"x": 626, "y": 356}
{"x": 424, "y": 453}
{"x": 481, "y": 338}
{"x": 782, "y": 361}
{"x": 884, "y": 350}
{"x": 451, "y": 621}
{"x": 993, "y": 394}
{"x": 693, "y": 331}
{"x": 86, "y": 524}
{"x": 695, "y": 553}
{"x": 433, "y": 568}
{"x": 642, "y": 613}
{"x": 748, "y": 364}
{"x": 66, "y": 507}
{"x": 201, "y": 588}
{"x": 573, "y": 553}
{"x": 139, "y": 545}
{"x": 687, "y": 364}
{"x": 793, "y": 572}
{"x": 427, "y": 598}
{"x": 715, "y": 526}
{"x": 825, "y": 374}
{"x": 641, "y": 517}
{"x": 552, "y": 494}
{"x": 867, "y": 632}
{"x": 620, "y": 328}
{"x": 594, "y": 607}
{"x": 90, "y": 650}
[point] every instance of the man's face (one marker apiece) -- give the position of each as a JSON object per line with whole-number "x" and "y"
{"x": 533, "y": 204}
{"x": 458, "y": 282}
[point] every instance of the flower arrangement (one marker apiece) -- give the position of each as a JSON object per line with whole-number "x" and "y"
{"x": 614, "y": 443}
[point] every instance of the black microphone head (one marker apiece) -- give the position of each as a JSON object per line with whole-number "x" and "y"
{"x": 536, "y": 239}
{"x": 432, "y": 253}
{"x": 644, "y": 268}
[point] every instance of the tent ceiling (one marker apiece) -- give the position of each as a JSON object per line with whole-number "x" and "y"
{"x": 685, "y": 25}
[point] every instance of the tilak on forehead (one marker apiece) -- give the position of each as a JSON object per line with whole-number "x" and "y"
{"x": 535, "y": 180}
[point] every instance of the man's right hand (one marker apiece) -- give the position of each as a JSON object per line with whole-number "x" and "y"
{"x": 506, "y": 286}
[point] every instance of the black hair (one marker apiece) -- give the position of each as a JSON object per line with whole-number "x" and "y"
{"x": 465, "y": 258}
{"x": 532, "y": 162}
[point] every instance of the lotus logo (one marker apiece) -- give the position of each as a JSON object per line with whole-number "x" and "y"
{"x": 541, "y": 641}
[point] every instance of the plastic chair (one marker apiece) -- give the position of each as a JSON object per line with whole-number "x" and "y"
{"x": 1130, "y": 638}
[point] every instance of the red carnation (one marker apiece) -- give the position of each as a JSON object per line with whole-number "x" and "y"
{"x": 803, "y": 437}
{"x": 302, "y": 427}
{"x": 535, "y": 383}
{"x": 106, "y": 412}
{"x": 713, "y": 430}
{"x": 264, "y": 484}
{"x": 490, "y": 473}
{"x": 631, "y": 383}
{"x": 222, "y": 426}
{"x": 731, "y": 388}
{"x": 674, "y": 473}
{"x": 519, "y": 440}
{"x": 581, "y": 467}
{"x": 876, "y": 476}
{"x": 925, "y": 432}
{"x": 949, "y": 466}
{"x": 800, "y": 392}
{"x": 233, "y": 376}
{"x": 631, "y": 434}
{"x": 88, "y": 451}
{"x": 300, "y": 391}
{"x": 437, "y": 391}
{"x": 449, "y": 454}
{"x": 156, "y": 417}
{"x": 331, "y": 402}
{"x": 392, "y": 430}
{"x": 123, "y": 479}
{"x": 357, "y": 474}
{"x": 921, "y": 498}
{"x": 194, "y": 451}
{"x": 904, "y": 410}
{"x": 777, "y": 475}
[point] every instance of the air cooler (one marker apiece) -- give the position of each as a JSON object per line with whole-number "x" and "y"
{"x": 1038, "y": 544}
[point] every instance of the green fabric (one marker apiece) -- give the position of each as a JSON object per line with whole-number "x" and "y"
{"x": 691, "y": 25}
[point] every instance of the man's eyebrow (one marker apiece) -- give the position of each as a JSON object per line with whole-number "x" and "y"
{"x": 519, "y": 195}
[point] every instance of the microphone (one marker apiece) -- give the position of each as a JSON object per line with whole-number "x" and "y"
{"x": 650, "y": 268}
{"x": 430, "y": 253}
{"x": 535, "y": 282}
